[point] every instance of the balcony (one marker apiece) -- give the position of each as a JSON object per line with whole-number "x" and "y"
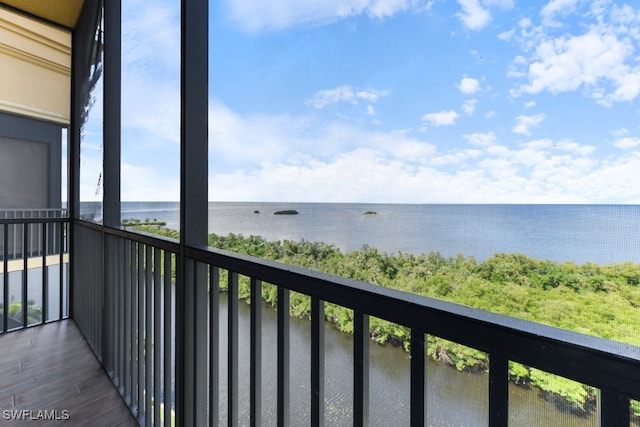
{"x": 66, "y": 387}
{"x": 126, "y": 303}
{"x": 158, "y": 321}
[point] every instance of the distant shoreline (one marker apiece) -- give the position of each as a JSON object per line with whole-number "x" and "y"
{"x": 579, "y": 233}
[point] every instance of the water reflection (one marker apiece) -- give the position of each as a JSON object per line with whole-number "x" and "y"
{"x": 453, "y": 398}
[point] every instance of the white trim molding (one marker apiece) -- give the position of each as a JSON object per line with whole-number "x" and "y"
{"x": 35, "y": 68}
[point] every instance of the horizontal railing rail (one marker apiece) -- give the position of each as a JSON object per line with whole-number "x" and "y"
{"x": 33, "y": 213}
{"x": 593, "y": 360}
{"x": 612, "y": 367}
{"x": 17, "y": 221}
{"x": 161, "y": 242}
{"x": 16, "y": 218}
{"x": 33, "y": 270}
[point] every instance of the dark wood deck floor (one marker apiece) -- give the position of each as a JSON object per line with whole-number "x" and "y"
{"x": 51, "y": 368}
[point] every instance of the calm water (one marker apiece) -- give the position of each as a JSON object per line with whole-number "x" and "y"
{"x": 453, "y": 398}
{"x": 581, "y": 233}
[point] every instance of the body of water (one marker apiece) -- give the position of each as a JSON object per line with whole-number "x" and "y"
{"x": 453, "y": 398}
{"x": 580, "y": 233}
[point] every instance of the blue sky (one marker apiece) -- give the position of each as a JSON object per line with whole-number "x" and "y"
{"x": 407, "y": 101}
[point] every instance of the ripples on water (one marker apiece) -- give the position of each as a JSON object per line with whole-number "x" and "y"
{"x": 453, "y": 398}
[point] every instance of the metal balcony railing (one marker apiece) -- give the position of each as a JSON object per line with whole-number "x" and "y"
{"x": 15, "y": 242}
{"x": 127, "y": 311}
{"x": 34, "y": 268}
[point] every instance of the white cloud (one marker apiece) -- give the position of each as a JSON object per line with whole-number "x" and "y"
{"x": 344, "y": 93}
{"x": 627, "y": 142}
{"x": 525, "y": 123}
{"x": 541, "y": 171}
{"x": 620, "y": 132}
{"x": 371, "y": 95}
{"x": 150, "y": 100}
{"x": 236, "y": 140}
{"x": 566, "y": 63}
{"x": 455, "y": 158}
{"x": 241, "y": 140}
{"x": 624, "y": 14}
{"x": 151, "y": 37}
{"x": 151, "y": 108}
{"x": 481, "y": 139}
{"x": 515, "y": 68}
{"x": 469, "y": 106}
{"x": 255, "y": 157}
{"x": 148, "y": 183}
{"x": 503, "y": 4}
{"x": 151, "y": 70}
{"x": 598, "y": 7}
{"x": 506, "y": 35}
{"x": 138, "y": 182}
{"x": 529, "y": 104}
{"x": 602, "y": 61}
{"x": 257, "y": 15}
{"x": 628, "y": 88}
{"x": 557, "y": 7}
{"x": 473, "y": 15}
{"x": 468, "y": 86}
{"x": 574, "y": 147}
{"x": 441, "y": 118}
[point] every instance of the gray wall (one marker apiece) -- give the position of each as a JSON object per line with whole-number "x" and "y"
{"x": 23, "y": 174}
{"x": 30, "y": 163}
